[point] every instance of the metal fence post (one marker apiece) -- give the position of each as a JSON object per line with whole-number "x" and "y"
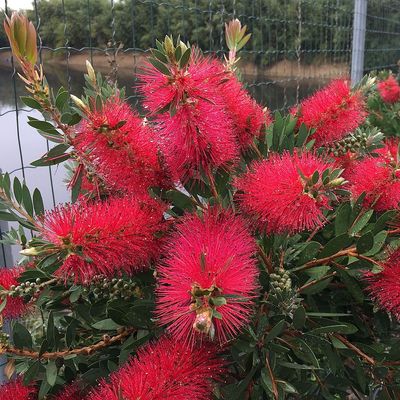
{"x": 358, "y": 43}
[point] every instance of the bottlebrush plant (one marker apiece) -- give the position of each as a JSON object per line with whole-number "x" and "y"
{"x": 210, "y": 249}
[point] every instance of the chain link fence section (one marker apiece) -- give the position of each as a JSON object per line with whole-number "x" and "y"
{"x": 296, "y": 47}
{"x": 382, "y": 41}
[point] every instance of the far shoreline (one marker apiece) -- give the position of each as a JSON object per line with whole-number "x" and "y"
{"x": 129, "y": 62}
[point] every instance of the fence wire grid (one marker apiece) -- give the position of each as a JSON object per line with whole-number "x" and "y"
{"x": 296, "y": 47}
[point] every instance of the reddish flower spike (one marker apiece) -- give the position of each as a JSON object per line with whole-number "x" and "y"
{"x": 197, "y": 138}
{"x": 199, "y": 135}
{"x": 276, "y": 196}
{"x": 165, "y": 370}
{"x": 105, "y": 238}
{"x": 15, "y": 306}
{"x": 209, "y": 257}
{"x": 248, "y": 117}
{"x": 71, "y": 392}
{"x": 389, "y": 90}
{"x": 15, "y": 390}
{"x": 378, "y": 178}
{"x": 333, "y": 111}
{"x": 384, "y": 286}
{"x": 120, "y": 148}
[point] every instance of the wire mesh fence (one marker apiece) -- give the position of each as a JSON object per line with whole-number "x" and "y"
{"x": 296, "y": 47}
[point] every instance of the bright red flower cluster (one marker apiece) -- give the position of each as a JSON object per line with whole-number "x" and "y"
{"x": 121, "y": 148}
{"x": 198, "y": 135}
{"x": 212, "y": 115}
{"x": 15, "y": 306}
{"x": 107, "y": 238}
{"x": 333, "y": 112}
{"x": 279, "y": 195}
{"x": 163, "y": 370}
{"x": 15, "y": 390}
{"x": 389, "y": 90}
{"x": 385, "y": 285}
{"x": 377, "y": 177}
{"x": 209, "y": 279}
{"x": 248, "y": 116}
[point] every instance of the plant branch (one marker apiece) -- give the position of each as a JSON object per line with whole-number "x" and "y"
{"x": 312, "y": 283}
{"x": 265, "y": 259}
{"x": 15, "y": 206}
{"x": 351, "y": 346}
{"x": 273, "y": 381}
{"x": 87, "y": 350}
{"x": 327, "y": 260}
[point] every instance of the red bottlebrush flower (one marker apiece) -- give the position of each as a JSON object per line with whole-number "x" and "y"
{"x": 104, "y": 238}
{"x": 278, "y": 197}
{"x": 333, "y": 111}
{"x": 209, "y": 279}
{"x": 165, "y": 370}
{"x": 389, "y": 90}
{"x": 200, "y": 79}
{"x": 120, "y": 148}
{"x": 15, "y": 390}
{"x": 248, "y": 117}
{"x": 378, "y": 177}
{"x": 72, "y": 391}
{"x": 15, "y": 306}
{"x": 199, "y": 135}
{"x": 384, "y": 286}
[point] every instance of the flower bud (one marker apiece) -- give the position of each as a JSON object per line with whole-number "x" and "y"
{"x": 22, "y": 37}
{"x": 91, "y": 73}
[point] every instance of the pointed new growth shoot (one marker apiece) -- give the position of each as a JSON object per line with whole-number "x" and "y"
{"x": 235, "y": 40}
{"x": 22, "y": 37}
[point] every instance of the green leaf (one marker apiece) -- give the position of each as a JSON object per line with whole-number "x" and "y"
{"x": 304, "y": 351}
{"x": 51, "y": 373}
{"x": 339, "y": 328}
{"x": 159, "y": 55}
{"x": 46, "y": 161}
{"x": 51, "y": 331}
{"x": 31, "y": 102}
{"x": 275, "y": 331}
{"x": 5, "y": 216}
{"x": 383, "y": 220}
{"x": 365, "y": 243}
{"x": 334, "y": 245}
{"x": 42, "y": 125}
{"x": 62, "y": 98}
{"x": 342, "y": 218}
{"x": 302, "y": 135}
{"x": 158, "y": 65}
{"x": 21, "y": 336}
{"x": 360, "y": 222}
{"x": 17, "y": 188}
{"x": 38, "y": 202}
{"x": 185, "y": 58}
{"x": 58, "y": 150}
{"x": 299, "y": 318}
{"x": 379, "y": 241}
{"x": 309, "y": 252}
{"x": 106, "y": 325}
{"x": 179, "y": 199}
{"x": 352, "y": 286}
{"x": 218, "y": 301}
{"x": 27, "y": 200}
{"x": 32, "y": 373}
